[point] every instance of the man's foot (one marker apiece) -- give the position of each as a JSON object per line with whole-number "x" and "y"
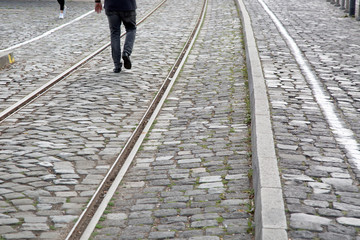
{"x": 127, "y": 62}
{"x": 117, "y": 70}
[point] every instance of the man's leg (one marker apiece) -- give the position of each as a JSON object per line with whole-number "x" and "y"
{"x": 62, "y": 4}
{"x": 114, "y": 25}
{"x": 129, "y": 20}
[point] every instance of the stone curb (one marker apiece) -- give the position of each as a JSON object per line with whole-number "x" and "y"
{"x": 6, "y": 59}
{"x": 270, "y": 219}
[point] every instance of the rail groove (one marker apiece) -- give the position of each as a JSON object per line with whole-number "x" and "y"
{"x": 47, "y": 86}
{"x": 103, "y": 189}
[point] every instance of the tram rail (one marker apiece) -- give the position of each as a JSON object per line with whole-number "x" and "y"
{"x": 92, "y": 213}
{"x": 88, "y": 219}
{"x": 48, "y": 85}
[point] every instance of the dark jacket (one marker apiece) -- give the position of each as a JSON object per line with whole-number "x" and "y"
{"x": 120, "y": 5}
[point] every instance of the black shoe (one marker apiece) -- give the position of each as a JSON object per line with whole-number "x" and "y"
{"x": 117, "y": 70}
{"x": 127, "y": 62}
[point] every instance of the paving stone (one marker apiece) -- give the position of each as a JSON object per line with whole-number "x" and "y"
{"x": 236, "y": 176}
{"x": 141, "y": 214}
{"x": 8, "y": 221}
{"x": 211, "y": 185}
{"x": 6, "y": 229}
{"x": 337, "y": 181}
{"x": 165, "y": 212}
{"x": 320, "y": 187}
{"x": 20, "y": 235}
{"x": 349, "y": 221}
{"x": 341, "y": 229}
{"x": 322, "y": 204}
{"x": 345, "y": 207}
{"x": 297, "y": 177}
{"x": 333, "y": 236}
{"x": 308, "y": 222}
{"x": 209, "y": 179}
{"x": 173, "y": 219}
{"x": 190, "y": 233}
{"x": 35, "y": 219}
{"x": 329, "y": 212}
{"x": 141, "y": 221}
{"x": 161, "y": 235}
{"x": 179, "y": 226}
{"x": 84, "y": 141}
{"x": 62, "y": 219}
{"x": 49, "y": 235}
{"x": 35, "y": 227}
{"x": 189, "y": 212}
{"x": 205, "y": 223}
{"x": 302, "y": 234}
{"x": 205, "y": 238}
{"x": 205, "y": 216}
{"x": 234, "y": 202}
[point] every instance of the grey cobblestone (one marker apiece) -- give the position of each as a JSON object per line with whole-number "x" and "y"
{"x": 20, "y": 235}
{"x": 188, "y": 160}
{"x": 316, "y": 172}
{"x": 197, "y": 151}
{"x": 161, "y": 235}
{"x": 59, "y": 157}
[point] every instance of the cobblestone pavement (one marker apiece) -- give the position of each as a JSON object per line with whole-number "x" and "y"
{"x": 190, "y": 180}
{"x": 42, "y": 60}
{"x": 55, "y": 152}
{"x": 36, "y": 16}
{"x": 320, "y": 178}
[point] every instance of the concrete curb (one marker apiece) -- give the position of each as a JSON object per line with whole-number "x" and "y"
{"x": 270, "y": 219}
{"x": 6, "y": 59}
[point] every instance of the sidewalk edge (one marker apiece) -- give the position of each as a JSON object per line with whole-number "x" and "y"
{"x": 270, "y": 219}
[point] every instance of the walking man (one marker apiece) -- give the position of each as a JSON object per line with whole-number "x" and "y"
{"x": 117, "y": 12}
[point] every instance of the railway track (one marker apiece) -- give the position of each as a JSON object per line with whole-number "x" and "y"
{"x": 88, "y": 219}
{"x": 56, "y": 50}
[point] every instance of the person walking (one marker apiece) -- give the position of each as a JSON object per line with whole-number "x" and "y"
{"x": 117, "y": 12}
{"x": 62, "y": 8}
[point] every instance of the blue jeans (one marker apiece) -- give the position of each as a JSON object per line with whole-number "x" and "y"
{"x": 115, "y": 18}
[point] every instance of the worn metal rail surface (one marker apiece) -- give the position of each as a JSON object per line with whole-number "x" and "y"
{"x": 90, "y": 216}
{"x": 44, "y": 88}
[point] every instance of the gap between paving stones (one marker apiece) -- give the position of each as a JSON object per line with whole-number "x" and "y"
{"x": 175, "y": 165}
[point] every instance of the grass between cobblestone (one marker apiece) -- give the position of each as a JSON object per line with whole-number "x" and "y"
{"x": 249, "y": 206}
{"x": 251, "y": 192}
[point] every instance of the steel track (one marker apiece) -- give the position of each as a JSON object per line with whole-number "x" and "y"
{"x": 47, "y": 86}
{"x": 93, "y": 211}
{"x": 86, "y": 221}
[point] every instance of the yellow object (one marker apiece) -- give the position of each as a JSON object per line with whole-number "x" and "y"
{"x": 11, "y": 58}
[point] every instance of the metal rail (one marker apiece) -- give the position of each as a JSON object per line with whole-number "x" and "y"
{"x": 47, "y": 86}
{"x": 86, "y": 223}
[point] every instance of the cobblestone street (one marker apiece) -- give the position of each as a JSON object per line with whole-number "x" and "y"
{"x": 209, "y": 168}
{"x": 320, "y": 179}
{"x": 190, "y": 181}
